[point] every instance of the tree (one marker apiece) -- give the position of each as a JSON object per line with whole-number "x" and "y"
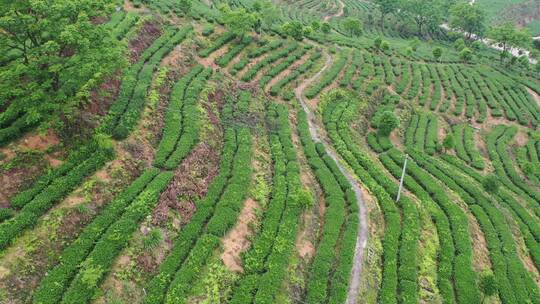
{"x": 437, "y": 53}
{"x": 315, "y": 25}
{"x": 466, "y": 54}
{"x": 57, "y": 54}
{"x": 488, "y": 285}
{"x": 238, "y": 21}
{"x": 414, "y": 44}
{"x": 387, "y": 123}
{"x": 268, "y": 13}
{"x": 477, "y": 45}
{"x": 184, "y": 6}
{"x": 377, "y": 42}
{"x": 468, "y": 18}
{"x": 507, "y": 35}
{"x": 491, "y": 183}
{"x": 293, "y": 29}
{"x": 425, "y": 13}
{"x": 325, "y": 27}
{"x": 386, "y": 7}
{"x": 448, "y": 142}
{"x": 459, "y": 44}
{"x": 353, "y": 26}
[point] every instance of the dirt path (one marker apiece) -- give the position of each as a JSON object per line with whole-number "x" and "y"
{"x": 361, "y": 240}
{"x": 535, "y": 96}
{"x": 338, "y": 14}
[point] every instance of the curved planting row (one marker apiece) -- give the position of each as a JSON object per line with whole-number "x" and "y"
{"x": 529, "y": 162}
{"x": 513, "y": 280}
{"x": 422, "y": 133}
{"x": 497, "y": 143}
{"x": 456, "y": 277}
{"x": 329, "y": 76}
{"x": 51, "y": 188}
{"x": 215, "y": 214}
{"x": 97, "y": 263}
{"x": 366, "y": 71}
{"x": 263, "y": 48}
{"x": 528, "y": 223}
{"x": 225, "y": 212}
{"x": 265, "y": 263}
{"x": 125, "y": 111}
{"x": 303, "y": 68}
{"x": 354, "y": 65}
{"x": 271, "y": 58}
{"x": 331, "y": 268}
{"x": 181, "y": 130}
{"x": 283, "y": 65}
{"x": 224, "y": 60}
{"x": 465, "y": 146}
{"x": 13, "y": 124}
{"x": 217, "y": 44}
{"x": 399, "y": 277}
{"x": 52, "y": 286}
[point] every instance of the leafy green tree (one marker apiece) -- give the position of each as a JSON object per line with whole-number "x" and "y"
{"x": 409, "y": 51}
{"x": 293, "y": 29}
{"x": 488, "y": 286}
{"x": 353, "y": 26}
{"x": 386, "y": 7}
{"x": 437, "y": 53}
{"x": 184, "y": 6}
{"x": 477, "y": 45}
{"x": 377, "y": 42}
{"x": 448, "y": 142}
{"x": 425, "y": 13}
{"x": 325, "y": 27}
{"x": 315, "y": 25}
{"x": 268, "y": 12}
{"x": 238, "y": 21}
{"x": 414, "y": 43}
{"x": 469, "y": 18}
{"x": 57, "y": 54}
{"x": 507, "y": 35}
{"x": 387, "y": 123}
{"x": 466, "y": 54}
{"x": 459, "y": 44}
{"x": 491, "y": 183}
{"x": 385, "y": 46}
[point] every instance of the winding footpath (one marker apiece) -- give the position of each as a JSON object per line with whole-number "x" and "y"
{"x": 361, "y": 240}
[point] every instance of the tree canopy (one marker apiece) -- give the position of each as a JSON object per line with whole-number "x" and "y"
{"x": 508, "y": 35}
{"x": 238, "y": 21}
{"x": 53, "y": 55}
{"x": 468, "y": 18}
{"x": 353, "y": 26}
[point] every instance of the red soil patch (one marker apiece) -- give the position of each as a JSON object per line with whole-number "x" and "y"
{"x": 147, "y": 34}
{"x": 236, "y": 241}
{"x": 103, "y": 96}
{"x": 40, "y": 142}
{"x": 190, "y": 183}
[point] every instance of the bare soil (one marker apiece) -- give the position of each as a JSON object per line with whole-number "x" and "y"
{"x": 236, "y": 240}
{"x": 149, "y": 32}
{"x": 189, "y": 184}
{"x": 535, "y": 96}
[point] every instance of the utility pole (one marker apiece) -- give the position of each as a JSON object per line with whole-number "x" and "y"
{"x": 402, "y": 177}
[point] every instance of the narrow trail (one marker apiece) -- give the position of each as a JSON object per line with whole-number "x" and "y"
{"x": 361, "y": 240}
{"x": 338, "y": 14}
